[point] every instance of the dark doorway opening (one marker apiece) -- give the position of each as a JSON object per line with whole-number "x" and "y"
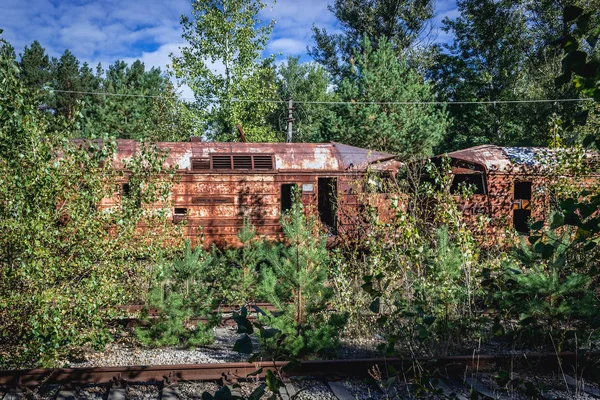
{"x": 287, "y": 196}
{"x": 522, "y": 206}
{"x": 327, "y": 188}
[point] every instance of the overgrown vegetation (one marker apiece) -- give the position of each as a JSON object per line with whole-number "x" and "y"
{"x": 63, "y": 260}
{"x": 413, "y": 271}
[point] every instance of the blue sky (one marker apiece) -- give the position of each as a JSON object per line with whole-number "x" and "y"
{"x": 108, "y": 30}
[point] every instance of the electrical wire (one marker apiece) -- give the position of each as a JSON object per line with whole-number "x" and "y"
{"x": 238, "y": 100}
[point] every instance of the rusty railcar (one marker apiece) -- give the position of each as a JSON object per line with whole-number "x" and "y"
{"x": 512, "y": 185}
{"x": 221, "y": 184}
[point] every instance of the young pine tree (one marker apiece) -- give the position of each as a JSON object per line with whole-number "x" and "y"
{"x": 181, "y": 293}
{"x": 296, "y": 283}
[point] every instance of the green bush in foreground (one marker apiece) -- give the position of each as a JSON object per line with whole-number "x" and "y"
{"x": 64, "y": 263}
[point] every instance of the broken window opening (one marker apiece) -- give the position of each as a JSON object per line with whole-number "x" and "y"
{"x": 288, "y": 191}
{"x": 327, "y": 206}
{"x": 522, "y": 190}
{"x": 179, "y": 214}
{"x": 474, "y": 182}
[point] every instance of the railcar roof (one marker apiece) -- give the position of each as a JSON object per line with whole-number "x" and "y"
{"x": 496, "y": 158}
{"x": 287, "y": 156}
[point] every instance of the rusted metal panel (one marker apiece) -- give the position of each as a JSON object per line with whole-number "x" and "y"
{"x": 214, "y": 203}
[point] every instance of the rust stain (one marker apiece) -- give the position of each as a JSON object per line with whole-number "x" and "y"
{"x": 217, "y": 200}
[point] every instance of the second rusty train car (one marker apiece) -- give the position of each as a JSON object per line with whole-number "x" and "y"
{"x": 513, "y": 185}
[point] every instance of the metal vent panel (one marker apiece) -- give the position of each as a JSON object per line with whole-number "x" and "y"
{"x": 200, "y": 164}
{"x": 221, "y": 162}
{"x": 242, "y": 162}
{"x": 263, "y": 162}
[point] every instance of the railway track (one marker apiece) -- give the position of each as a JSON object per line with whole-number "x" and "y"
{"x": 458, "y": 373}
{"x": 226, "y": 310}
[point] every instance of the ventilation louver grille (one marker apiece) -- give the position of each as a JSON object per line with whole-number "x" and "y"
{"x": 200, "y": 164}
{"x": 236, "y": 162}
{"x": 221, "y": 162}
{"x": 242, "y": 162}
{"x": 263, "y": 162}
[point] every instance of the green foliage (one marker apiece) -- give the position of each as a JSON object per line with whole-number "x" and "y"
{"x": 182, "y": 291}
{"x": 378, "y": 75}
{"x": 107, "y": 105}
{"x": 399, "y": 23}
{"x": 227, "y": 34}
{"x": 125, "y": 113}
{"x": 499, "y": 53}
{"x": 302, "y": 82}
{"x": 63, "y": 261}
{"x": 296, "y": 283}
{"x": 243, "y": 266}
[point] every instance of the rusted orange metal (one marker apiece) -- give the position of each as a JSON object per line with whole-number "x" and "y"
{"x": 515, "y": 183}
{"x": 222, "y": 184}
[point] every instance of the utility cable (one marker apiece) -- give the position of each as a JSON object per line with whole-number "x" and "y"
{"x": 238, "y": 100}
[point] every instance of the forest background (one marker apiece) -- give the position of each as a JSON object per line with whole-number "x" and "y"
{"x": 376, "y": 84}
{"x": 385, "y": 52}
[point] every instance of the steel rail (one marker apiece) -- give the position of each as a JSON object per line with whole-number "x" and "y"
{"x": 358, "y": 368}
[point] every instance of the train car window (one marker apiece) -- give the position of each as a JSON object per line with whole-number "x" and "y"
{"x": 287, "y": 196}
{"x": 179, "y": 214}
{"x": 475, "y": 182}
{"x": 523, "y": 190}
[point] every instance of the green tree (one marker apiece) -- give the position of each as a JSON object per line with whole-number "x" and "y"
{"x": 139, "y": 104}
{"x": 379, "y": 76}
{"x": 499, "y": 53}
{"x": 35, "y": 66}
{"x": 227, "y": 35}
{"x": 295, "y": 282}
{"x": 302, "y": 82}
{"x": 66, "y": 77}
{"x": 400, "y": 22}
{"x": 63, "y": 261}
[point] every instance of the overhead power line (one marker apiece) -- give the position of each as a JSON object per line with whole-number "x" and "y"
{"x": 238, "y": 100}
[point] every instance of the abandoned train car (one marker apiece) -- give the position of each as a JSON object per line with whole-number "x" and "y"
{"x": 221, "y": 184}
{"x": 511, "y": 185}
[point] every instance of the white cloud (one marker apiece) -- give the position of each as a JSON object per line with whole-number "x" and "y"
{"x": 286, "y": 46}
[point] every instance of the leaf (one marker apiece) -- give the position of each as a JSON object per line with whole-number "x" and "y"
{"x": 534, "y": 239}
{"x": 571, "y": 13}
{"x": 574, "y": 60}
{"x": 375, "y": 305}
{"x": 243, "y": 345}
{"x": 290, "y": 366}
{"x": 224, "y": 393}
{"x": 429, "y": 320}
{"x": 269, "y": 333}
{"x": 537, "y": 225}
{"x": 244, "y": 325}
{"x": 525, "y": 319}
{"x": 581, "y": 117}
{"x": 558, "y": 220}
{"x": 592, "y": 39}
{"x": 497, "y": 330}
{"x": 548, "y": 251}
{"x": 258, "y": 393}
{"x": 257, "y": 372}
{"x": 502, "y": 378}
{"x": 273, "y": 382}
{"x": 583, "y": 22}
{"x": 563, "y": 79}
